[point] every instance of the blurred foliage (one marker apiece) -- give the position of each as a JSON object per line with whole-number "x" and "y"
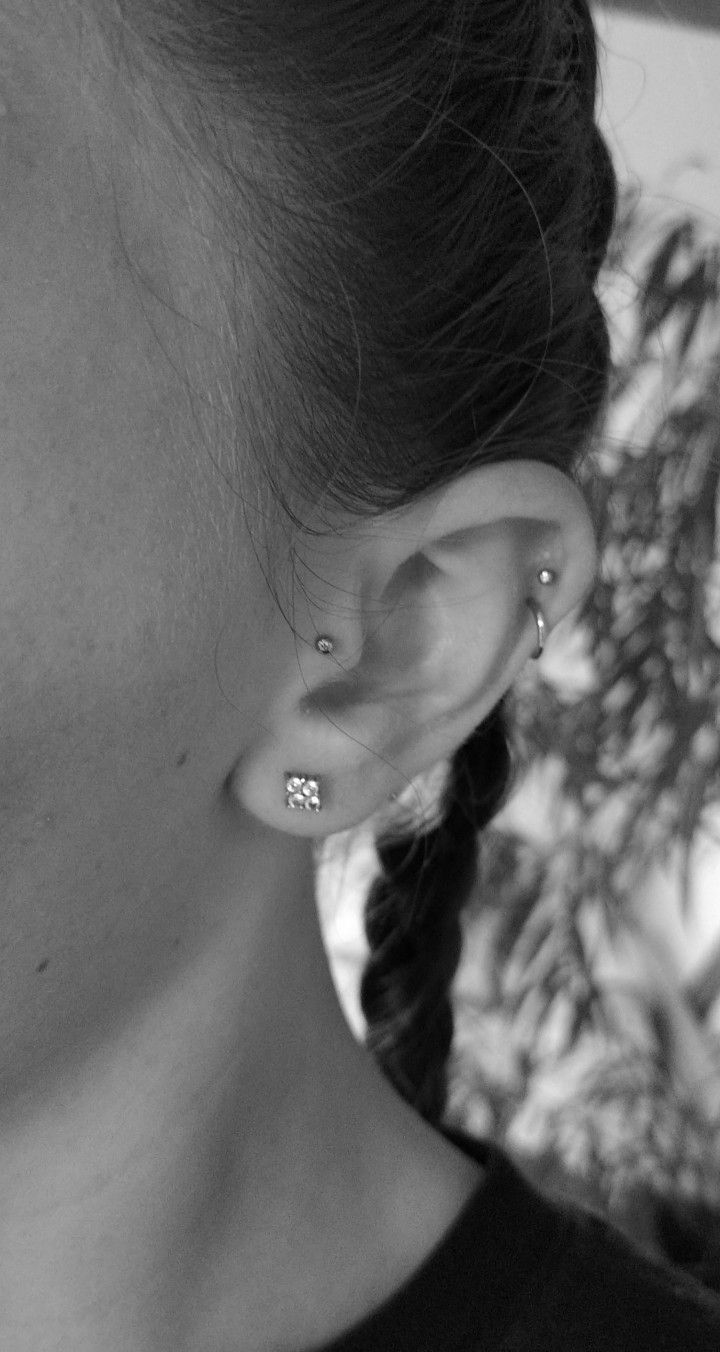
{"x": 575, "y": 1034}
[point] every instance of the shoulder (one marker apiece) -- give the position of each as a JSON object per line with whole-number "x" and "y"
{"x": 572, "y": 1283}
{"x": 602, "y": 1287}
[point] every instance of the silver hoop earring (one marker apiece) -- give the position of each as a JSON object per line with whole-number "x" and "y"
{"x": 539, "y": 619}
{"x": 302, "y": 792}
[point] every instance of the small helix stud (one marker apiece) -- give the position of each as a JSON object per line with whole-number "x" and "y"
{"x": 547, "y": 576}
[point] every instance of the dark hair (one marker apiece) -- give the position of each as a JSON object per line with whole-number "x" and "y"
{"x": 431, "y": 205}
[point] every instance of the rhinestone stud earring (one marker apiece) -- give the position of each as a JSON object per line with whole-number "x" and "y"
{"x": 302, "y": 793}
{"x": 324, "y": 645}
{"x": 547, "y": 576}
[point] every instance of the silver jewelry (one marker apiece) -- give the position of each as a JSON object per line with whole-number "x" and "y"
{"x": 324, "y": 645}
{"x": 302, "y": 792}
{"x": 547, "y": 576}
{"x": 539, "y": 619}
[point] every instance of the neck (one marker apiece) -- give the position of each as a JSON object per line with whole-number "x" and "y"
{"x": 121, "y": 1165}
{"x": 208, "y": 1163}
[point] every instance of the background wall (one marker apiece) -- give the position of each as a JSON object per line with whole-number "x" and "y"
{"x": 661, "y": 99}
{"x": 701, "y": 13}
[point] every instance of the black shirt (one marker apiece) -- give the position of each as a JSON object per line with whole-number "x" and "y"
{"x": 519, "y": 1273}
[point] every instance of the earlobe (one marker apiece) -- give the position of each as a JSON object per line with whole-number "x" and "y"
{"x": 443, "y": 603}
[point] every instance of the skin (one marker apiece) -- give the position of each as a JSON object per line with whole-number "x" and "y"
{"x": 193, "y": 1150}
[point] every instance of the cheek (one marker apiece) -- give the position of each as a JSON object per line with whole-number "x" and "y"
{"x": 115, "y": 580}
{"x": 99, "y": 649}
{"x": 128, "y": 683}
{"x": 93, "y": 560}
{"x": 116, "y": 530}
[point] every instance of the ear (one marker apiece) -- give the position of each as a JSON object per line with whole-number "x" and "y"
{"x": 427, "y": 608}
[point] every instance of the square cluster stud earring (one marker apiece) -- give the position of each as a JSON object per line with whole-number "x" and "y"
{"x": 302, "y": 793}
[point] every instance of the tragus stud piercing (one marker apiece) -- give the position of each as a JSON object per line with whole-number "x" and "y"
{"x": 324, "y": 645}
{"x": 541, "y": 626}
{"x": 547, "y": 576}
{"x": 302, "y": 793}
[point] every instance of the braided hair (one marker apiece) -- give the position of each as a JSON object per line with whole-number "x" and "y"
{"x": 424, "y": 199}
{"x": 413, "y": 927}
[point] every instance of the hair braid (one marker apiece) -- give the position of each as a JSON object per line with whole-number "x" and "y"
{"x": 412, "y": 922}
